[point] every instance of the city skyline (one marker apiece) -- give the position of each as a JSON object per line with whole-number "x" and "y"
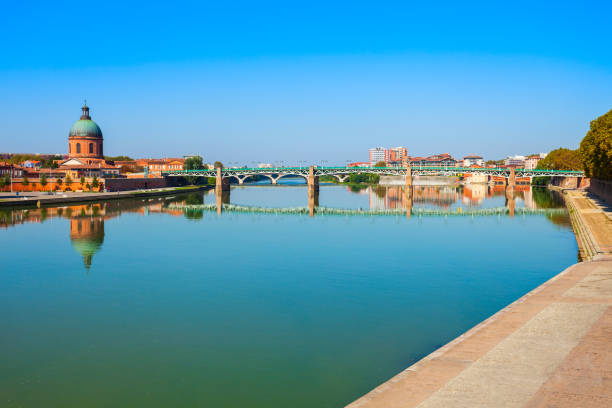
{"x": 213, "y": 82}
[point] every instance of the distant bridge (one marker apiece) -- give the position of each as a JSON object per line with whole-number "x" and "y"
{"x": 342, "y": 173}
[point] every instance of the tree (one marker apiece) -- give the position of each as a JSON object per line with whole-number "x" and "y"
{"x": 218, "y": 165}
{"x": 43, "y": 180}
{"x": 380, "y": 164}
{"x": 5, "y": 181}
{"x": 596, "y": 148}
{"x": 193, "y": 163}
{"x": 561, "y": 159}
{"x": 88, "y": 186}
{"x": 118, "y": 158}
{"x": 82, "y": 180}
{"x": 94, "y": 182}
{"x": 25, "y": 181}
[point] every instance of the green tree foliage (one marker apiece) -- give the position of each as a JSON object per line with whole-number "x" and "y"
{"x": 45, "y": 161}
{"x": 94, "y": 182}
{"x": 540, "y": 181}
{"x": 494, "y": 162}
{"x": 596, "y": 148}
{"x": 218, "y": 165}
{"x": 118, "y": 158}
{"x": 362, "y": 178}
{"x": 5, "y": 181}
{"x": 193, "y": 163}
{"x": 380, "y": 164}
{"x": 25, "y": 181}
{"x": 561, "y": 159}
{"x": 82, "y": 180}
{"x": 328, "y": 179}
{"x": 43, "y": 180}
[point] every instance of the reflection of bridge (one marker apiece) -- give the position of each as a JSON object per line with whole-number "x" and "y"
{"x": 342, "y": 173}
{"x": 343, "y": 211}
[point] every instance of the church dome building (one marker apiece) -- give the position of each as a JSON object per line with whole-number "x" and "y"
{"x": 85, "y": 139}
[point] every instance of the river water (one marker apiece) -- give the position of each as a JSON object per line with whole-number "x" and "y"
{"x": 136, "y": 303}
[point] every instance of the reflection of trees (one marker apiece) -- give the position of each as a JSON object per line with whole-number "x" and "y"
{"x": 380, "y": 191}
{"x": 545, "y": 198}
{"x": 355, "y": 188}
{"x": 561, "y": 220}
{"x": 194, "y": 199}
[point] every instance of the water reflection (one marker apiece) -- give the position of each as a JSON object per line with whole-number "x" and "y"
{"x": 451, "y": 196}
{"x": 86, "y": 221}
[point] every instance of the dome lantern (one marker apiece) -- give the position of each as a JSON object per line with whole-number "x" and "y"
{"x": 85, "y": 112}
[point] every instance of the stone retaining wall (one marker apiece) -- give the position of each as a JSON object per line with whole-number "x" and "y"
{"x": 135, "y": 184}
{"x": 602, "y": 189}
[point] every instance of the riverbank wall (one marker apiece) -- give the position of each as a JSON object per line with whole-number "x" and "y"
{"x": 602, "y": 189}
{"x": 417, "y": 181}
{"x": 551, "y": 347}
{"x": 41, "y": 199}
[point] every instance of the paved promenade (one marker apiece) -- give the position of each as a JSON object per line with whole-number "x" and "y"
{"x": 550, "y": 348}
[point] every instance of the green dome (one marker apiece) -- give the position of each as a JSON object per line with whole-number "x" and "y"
{"x": 85, "y": 128}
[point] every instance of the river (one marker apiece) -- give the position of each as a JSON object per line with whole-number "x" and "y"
{"x": 138, "y": 303}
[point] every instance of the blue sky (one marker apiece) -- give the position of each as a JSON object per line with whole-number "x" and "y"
{"x": 313, "y": 81}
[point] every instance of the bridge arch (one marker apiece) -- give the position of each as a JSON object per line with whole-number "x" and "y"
{"x": 233, "y": 176}
{"x": 283, "y": 175}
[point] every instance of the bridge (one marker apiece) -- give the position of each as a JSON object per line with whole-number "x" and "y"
{"x": 342, "y": 173}
{"x": 312, "y": 174}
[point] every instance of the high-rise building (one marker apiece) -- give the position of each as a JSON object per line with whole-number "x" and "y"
{"x": 391, "y": 156}
{"x": 378, "y": 154}
{"x": 397, "y": 155}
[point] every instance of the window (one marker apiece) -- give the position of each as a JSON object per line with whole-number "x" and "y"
{"x": 78, "y": 148}
{"x": 90, "y": 148}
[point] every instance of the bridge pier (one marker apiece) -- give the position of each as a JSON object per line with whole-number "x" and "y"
{"x": 408, "y": 201}
{"x": 222, "y": 197}
{"x": 511, "y": 179}
{"x": 313, "y": 201}
{"x": 510, "y": 201}
{"x": 313, "y": 181}
{"x": 222, "y": 184}
{"x": 409, "y": 177}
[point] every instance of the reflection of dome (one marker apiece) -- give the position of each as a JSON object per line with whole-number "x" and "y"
{"x": 87, "y": 236}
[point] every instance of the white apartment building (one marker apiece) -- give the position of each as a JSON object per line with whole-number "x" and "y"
{"x": 469, "y": 161}
{"x": 515, "y": 161}
{"x": 377, "y": 154}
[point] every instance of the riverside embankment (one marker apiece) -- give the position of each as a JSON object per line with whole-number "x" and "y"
{"x": 41, "y": 199}
{"x": 551, "y": 347}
